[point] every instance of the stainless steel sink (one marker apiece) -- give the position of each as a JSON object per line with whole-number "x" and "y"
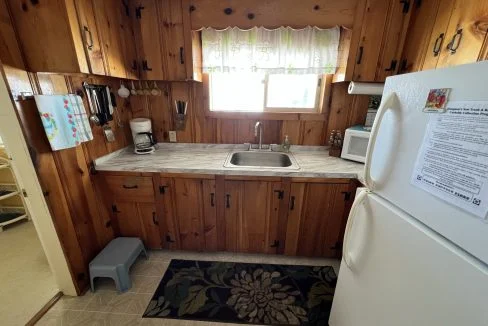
{"x": 258, "y": 159}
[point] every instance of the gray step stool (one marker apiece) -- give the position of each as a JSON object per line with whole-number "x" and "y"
{"x": 115, "y": 260}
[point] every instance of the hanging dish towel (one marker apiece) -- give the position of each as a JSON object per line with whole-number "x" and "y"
{"x": 59, "y": 120}
{"x": 81, "y": 118}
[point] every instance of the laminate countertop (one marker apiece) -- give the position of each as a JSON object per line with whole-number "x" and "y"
{"x": 313, "y": 161}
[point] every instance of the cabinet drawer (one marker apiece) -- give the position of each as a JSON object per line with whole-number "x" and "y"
{"x": 131, "y": 188}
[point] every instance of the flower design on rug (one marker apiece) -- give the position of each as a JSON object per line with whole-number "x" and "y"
{"x": 257, "y": 298}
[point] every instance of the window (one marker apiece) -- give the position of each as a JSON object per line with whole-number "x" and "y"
{"x": 259, "y": 92}
{"x": 259, "y": 70}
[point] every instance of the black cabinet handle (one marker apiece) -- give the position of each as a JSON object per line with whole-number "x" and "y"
{"x": 227, "y": 201}
{"x": 145, "y": 66}
{"x": 139, "y": 12}
{"x": 168, "y": 239}
{"x": 89, "y": 45}
{"x": 280, "y": 193}
{"x": 130, "y": 187}
{"x": 438, "y": 44}
{"x": 292, "y": 203}
{"x": 360, "y": 55}
{"x": 406, "y": 6}
{"x": 182, "y": 55}
{"x": 162, "y": 189}
{"x": 393, "y": 65}
{"x": 456, "y": 41}
{"x": 155, "y": 220}
{"x": 212, "y": 199}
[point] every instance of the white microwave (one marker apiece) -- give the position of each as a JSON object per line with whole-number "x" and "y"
{"x": 355, "y": 143}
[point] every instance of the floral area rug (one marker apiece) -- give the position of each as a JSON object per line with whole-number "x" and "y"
{"x": 244, "y": 293}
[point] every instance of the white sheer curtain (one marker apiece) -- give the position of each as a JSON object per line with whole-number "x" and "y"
{"x": 284, "y": 50}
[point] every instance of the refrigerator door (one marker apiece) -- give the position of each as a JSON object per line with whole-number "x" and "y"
{"x": 399, "y": 272}
{"x": 400, "y": 127}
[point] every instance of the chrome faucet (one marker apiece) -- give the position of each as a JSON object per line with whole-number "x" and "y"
{"x": 258, "y": 128}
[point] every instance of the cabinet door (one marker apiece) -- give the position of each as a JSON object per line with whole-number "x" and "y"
{"x": 372, "y": 32}
{"x": 148, "y": 40}
{"x": 150, "y": 222}
{"x": 315, "y": 219}
{"x": 128, "y": 221}
{"x": 173, "y": 39}
{"x": 113, "y": 19}
{"x": 90, "y": 36}
{"x": 49, "y": 35}
{"x": 252, "y": 215}
{"x": 164, "y": 190}
{"x": 10, "y": 54}
{"x": 189, "y": 213}
{"x": 418, "y": 36}
{"x": 465, "y": 34}
{"x": 393, "y": 39}
{"x": 438, "y": 38}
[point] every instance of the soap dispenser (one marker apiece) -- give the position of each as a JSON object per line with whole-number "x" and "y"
{"x": 286, "y": 144}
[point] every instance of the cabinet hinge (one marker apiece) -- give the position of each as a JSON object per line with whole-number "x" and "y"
{"x": 126, "y": 7}
{"x": 114, "y": 209}
{"x": 406, "y": 6}
{"x": 92, "y": 168}
{"x": 281, "y": 194}
{"x": 275, "y": 244}
{"x": 139, "y": 12}
{"x": 347, "y": 195}
{"x": 162, "y": 189}
{"x": 24, "y": 193}
{"x": 393, "y": 66}
{"x": 168, "y": 239}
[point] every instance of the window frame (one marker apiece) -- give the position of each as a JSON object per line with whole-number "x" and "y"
{"x": 319, "y": 112}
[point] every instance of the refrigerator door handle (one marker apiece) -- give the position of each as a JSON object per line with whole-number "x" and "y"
{"x": 346, "y": 253}
{"x": 390, "y": 102}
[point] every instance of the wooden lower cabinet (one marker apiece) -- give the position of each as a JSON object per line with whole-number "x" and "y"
{"x": 138, "y": 220}
{"x": 237, "y": 214}
{"x": 316, "y": 219}
{"x": 252, "y": 216}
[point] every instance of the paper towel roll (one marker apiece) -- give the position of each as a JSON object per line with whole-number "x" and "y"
{"x": 366, "y": 88}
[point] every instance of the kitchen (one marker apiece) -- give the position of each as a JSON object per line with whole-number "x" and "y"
{"x": 159, "y": 73}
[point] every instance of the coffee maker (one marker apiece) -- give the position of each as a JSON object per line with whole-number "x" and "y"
{"x": 144, "y": 142}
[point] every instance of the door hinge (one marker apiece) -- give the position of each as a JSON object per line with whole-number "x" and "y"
{"x": 162, "y": 189}
{"x": 24, "y": 193}
{"x": 403, "y": 66}
{"x": 347, "y": 195}
{"x": 406, "y": 6}
{"x": 275, "y": 244}
{"x": 114, "y": 209}
{"x": 168, "y": 239}
{"x": 393, "y": 65}
{"x": 281, "y": 193}
{"x": 139, "y": 12}
{"x": 92, "y": 168}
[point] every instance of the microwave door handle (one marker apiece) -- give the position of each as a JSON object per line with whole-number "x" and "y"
{"x": 390, "y": 102}
{"x": 346, "y": 252}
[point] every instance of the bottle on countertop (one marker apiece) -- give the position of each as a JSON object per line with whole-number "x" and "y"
{"x": 286, "y": 144}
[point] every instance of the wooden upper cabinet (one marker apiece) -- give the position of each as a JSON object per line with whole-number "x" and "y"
{"x": 438, "y": 38}
{"x": 465, "y": 34}
{"x": 316, "y": 219}
{"x": 10, "y": 53}
{"x": 50, "y": 35}
{"x": 116, "y": 37}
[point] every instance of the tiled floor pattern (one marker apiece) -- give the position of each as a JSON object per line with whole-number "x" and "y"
{"x": 107, "y": 307}
{"x": 26, "y": 278}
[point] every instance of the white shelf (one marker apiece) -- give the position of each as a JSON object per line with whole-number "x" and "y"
{"x": 15, "y": 219}
{"x": 9, "y": 195}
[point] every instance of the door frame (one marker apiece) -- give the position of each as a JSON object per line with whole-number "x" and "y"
{"x": 13, "y": 137}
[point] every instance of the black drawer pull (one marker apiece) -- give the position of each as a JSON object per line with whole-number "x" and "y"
{"x": 130, "y": 187}
{"x": 360, "y": 55}
{"x": 438, "y": 44}
{"x": 212, "y": 199}
{"x": 227, "y": 201}
{"x": 182, "y": 55}
{"x": 456, "y": 41}
{"x": 89, "y": 40}
{"x": 292, "y": 203}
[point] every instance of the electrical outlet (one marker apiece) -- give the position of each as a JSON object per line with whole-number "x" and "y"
{"x": 172, "y": 136}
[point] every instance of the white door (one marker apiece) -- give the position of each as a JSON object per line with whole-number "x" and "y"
{"x": 399, "y": 138}
{"x": 400, "y": 273}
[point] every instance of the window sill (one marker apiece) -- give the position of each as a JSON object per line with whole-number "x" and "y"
{"x": 266, "y": 115}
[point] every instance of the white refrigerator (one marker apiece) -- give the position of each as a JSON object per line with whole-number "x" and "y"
{"x": 417, "y": 255}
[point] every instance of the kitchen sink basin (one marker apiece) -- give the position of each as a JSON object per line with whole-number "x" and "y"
{"x": 258, "y": 159}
